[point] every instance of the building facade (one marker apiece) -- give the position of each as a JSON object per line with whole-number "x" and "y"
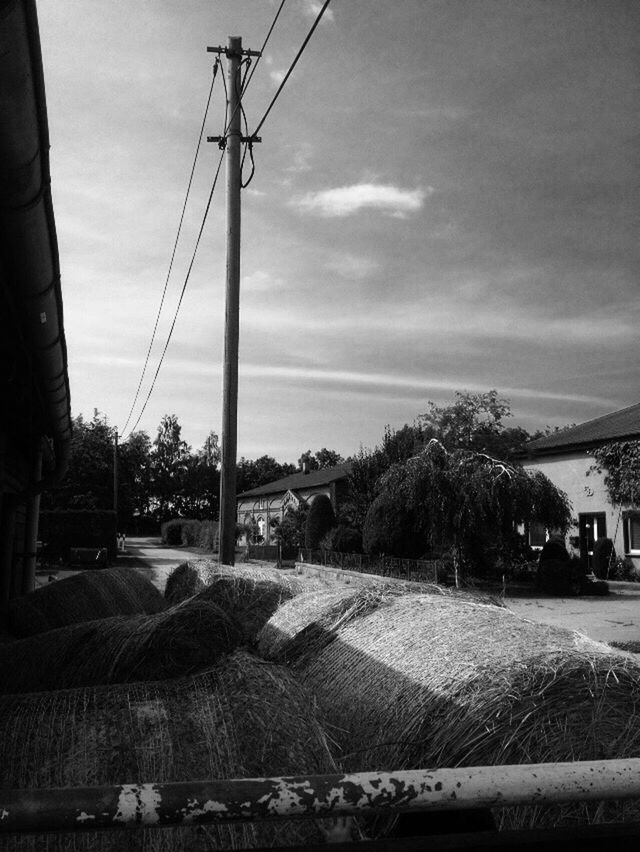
{"x": 262, "y": 507}
{"x": 566, "y": 458}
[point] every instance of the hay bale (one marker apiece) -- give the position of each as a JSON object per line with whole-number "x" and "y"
{"x": 301, "y": 627}
{"x": 245, "y": 718}
{"x": 192, "y": 577}
{"x": 434, "y": 681}
{"x": 84, "y": 597}
{"x": 181, "y": 640}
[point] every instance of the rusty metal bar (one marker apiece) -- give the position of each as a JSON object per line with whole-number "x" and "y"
{"x": 182, "y": 803}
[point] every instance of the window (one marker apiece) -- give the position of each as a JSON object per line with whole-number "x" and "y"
{"x": 632, "y": 533}
{"x": 537, "y": 534}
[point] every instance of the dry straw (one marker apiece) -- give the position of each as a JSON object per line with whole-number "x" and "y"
{"x": 192, "y": 577}
{"x": 301, "y": 627}
{"x": 434, "y": 681}
{"x": 181, "y": 640}
{"x": 83, "y": 597}
{"x": 245, "y": 718}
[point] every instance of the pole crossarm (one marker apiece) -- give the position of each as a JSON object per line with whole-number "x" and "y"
{"x": 320, "y": 796}
{"x": 229, "y": 51}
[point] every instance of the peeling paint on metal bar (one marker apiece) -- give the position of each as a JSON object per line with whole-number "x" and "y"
{"x": 184, "y": 803}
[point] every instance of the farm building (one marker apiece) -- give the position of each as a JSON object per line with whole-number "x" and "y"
{"x": 35, "y": 431}
{"x": 566, "y": 457}
{"x": 258, "y": 507}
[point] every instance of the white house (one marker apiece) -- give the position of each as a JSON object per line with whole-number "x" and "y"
{"x": 566, "y": 458}
{"x": 260, "y": 506}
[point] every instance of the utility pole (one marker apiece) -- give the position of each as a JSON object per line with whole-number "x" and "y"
{"x": 115, "y": 476}
{"x": 232, "y": 142}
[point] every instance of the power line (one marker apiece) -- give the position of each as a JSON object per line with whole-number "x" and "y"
{"x": 293, "y": 65}
{"x": 182, "y": 292}
{"x": 175, "y": 246}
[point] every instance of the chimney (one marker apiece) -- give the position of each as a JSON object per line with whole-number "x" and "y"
{"x": 305, "y": 466}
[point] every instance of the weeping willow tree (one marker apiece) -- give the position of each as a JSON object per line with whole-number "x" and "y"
{"x": 463, "y": 501}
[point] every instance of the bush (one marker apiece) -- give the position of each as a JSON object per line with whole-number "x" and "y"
{"x": 208, "y": 535}
{"x": 320, "y": 520}
{"x": 190, "y": 533}
{"x": 171, "y": 531}
{"x": 347, "y": 539}
{"x": 604, "y": 558}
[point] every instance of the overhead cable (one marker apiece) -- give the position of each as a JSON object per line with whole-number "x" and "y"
{"x": 293, "y": 65}
{"x": 175, "y": 246}
{"x": 182, "y": 292}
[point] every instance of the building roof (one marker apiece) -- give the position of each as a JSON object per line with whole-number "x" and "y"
{"x": 617, "y": 426}
{"x": 299, "y": 480}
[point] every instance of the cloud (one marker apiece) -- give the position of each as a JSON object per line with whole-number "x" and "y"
{"x": 352, "y": 267}
{"x": 277, "y": 77}
{"x": 311, "y": 8}
{"x": 347, "y": 200}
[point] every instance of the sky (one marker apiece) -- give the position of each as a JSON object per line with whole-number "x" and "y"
{"x": 446, "y": 198}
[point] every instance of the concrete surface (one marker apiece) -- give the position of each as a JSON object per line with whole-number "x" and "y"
{"x": 158, "y": 561}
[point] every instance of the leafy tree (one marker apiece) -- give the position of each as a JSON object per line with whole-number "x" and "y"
{"x": 201, "y": 492}
{"x": 252, "y": 474}
{"x": 291, "y": 530}
{"x": 320, "y": 460}
{"x": 170, "y": 462}
{"x": 475, "y": 421}
{"x": 89, "y": 480}
{"x": 621, "y": 461}
{"x": 320, "y": 520}
{"x": 134, "y": 478}
{"x": 462, "y": 500}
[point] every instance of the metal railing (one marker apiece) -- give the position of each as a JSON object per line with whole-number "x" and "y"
{"x": 219, "y": 801}
{"x": 419, "y": 570}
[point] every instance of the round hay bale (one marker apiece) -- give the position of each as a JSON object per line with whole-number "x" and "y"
{"x": 183, "y": 582}
{"x": 245, "y": 718}
{"x": 301, "y": 627}
{"x": 192, "y": 577}
{"x": 434, "y": 681}
{"x": 184, "y": 639}
{"x": 84, "y": 597}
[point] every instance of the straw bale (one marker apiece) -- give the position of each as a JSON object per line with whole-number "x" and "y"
{"x": 83, "y": 597}
{"x": 178, "y": 641}
{"x": 301, "y": 627}
{"x": 192, "y": 577}
{"x": 245, "y": 718}
{"x": 434, "y": 681}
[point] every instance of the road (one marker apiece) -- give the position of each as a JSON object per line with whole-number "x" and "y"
{"x": 157, "y": 561}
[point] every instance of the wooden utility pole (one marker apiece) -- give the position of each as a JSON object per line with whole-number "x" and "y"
{"x": 232, "y": 141}
{"x": 115, "y": 476}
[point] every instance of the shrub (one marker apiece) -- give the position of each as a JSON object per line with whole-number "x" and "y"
{"x": 347, "y": 539}
{"x": 171, "y": 531}
{"x": 208, "y": 535}
{"x": 604, "y": 557}
{"x": 190, "y": 533}
{"x": 320, "y": 520}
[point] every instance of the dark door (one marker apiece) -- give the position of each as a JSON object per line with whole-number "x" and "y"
{"x": 591, "y": 528}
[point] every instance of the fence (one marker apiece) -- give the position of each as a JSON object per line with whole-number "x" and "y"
{"x": 154, "y": 805}
{"x": 420, "y": 570}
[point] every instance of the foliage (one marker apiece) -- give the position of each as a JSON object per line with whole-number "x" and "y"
{"x": 463, "y": 500}
{"x": 621, "y": 461}
{"x": 171, "y": 531}
{"x": 252, "y": 474}
{"x": 604, "y": 558}
{"x": 320, "y": 460}
{"x": 170, "y": 464}
{"x": 291, "y": 530}
{"x": 342, "y": 538}
{"x": 475, "y": 422}
{"x": 320, "y": 520}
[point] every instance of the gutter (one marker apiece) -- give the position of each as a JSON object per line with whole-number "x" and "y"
{"x": 30, "y": 246}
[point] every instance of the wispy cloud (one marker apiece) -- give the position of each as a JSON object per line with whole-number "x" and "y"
{"x": 347, "y": 200}
{"x": 311, "y": 8}
{"x": 351, "y": 266}
{"x": 277, "y": 77}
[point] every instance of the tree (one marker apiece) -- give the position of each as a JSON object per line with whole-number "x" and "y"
{"x": 621, "y": 461}
{"x": 464, "y": 501}
{"x": 291, "y": 530}
{"x": 170, "y": 461}
{"x": 320, "y": 520}
{"x": 134, "y": 478}
{"x": 88, "y": 483}
{"x": 252, "y": 474}
{"x": 475, "y": 422}
{"x": 202, "y": 481}
{"x": 320, "y": 460}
